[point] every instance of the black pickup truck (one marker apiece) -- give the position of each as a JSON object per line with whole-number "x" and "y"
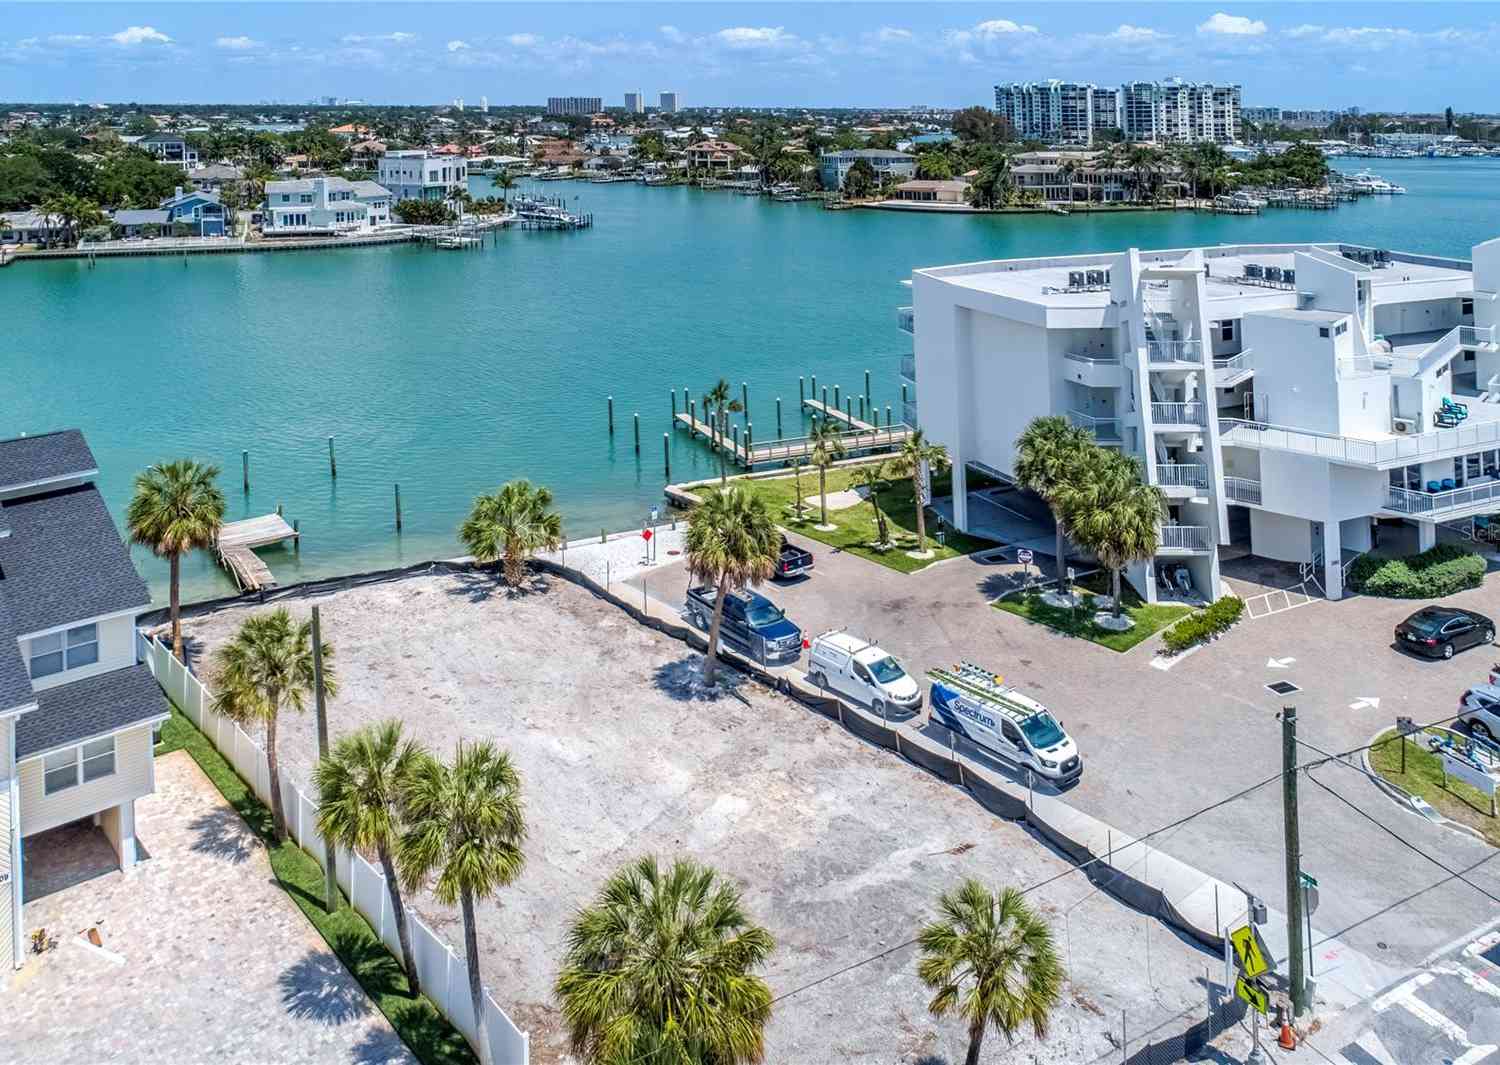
{"x": 753, "y": 625}
{"x": 792, "y": 562}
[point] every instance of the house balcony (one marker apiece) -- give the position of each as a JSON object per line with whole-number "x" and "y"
{"x": 1466, "y": 502}
{"x": 1161, "y": 353}
{"x": 1185, "y": 540}
{"x": 906, "y": 320}
{"x": 1233, "y": 369}
{"x": 1094, "y": 371}
{"x": 1105, "y": 430}
{"x": 1242, "y": 490}
{"x": 1169, "y": 416}
{"x": 1430, "y": 446}
{"x": 1181, "y": 480}
{"x": 909, "y": 368}
{"x": 909, "y": 413}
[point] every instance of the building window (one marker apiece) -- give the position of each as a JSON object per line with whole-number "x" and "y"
{"x": 1465, "y": 307}
{"x": 64, "y": 769}
{"x": 59, "y": 651}
{"x": 1340, "y": 329}
{"x": 1226, "y": 331}
{"x": 1322, "y": 330}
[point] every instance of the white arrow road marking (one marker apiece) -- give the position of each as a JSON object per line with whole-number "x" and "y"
{"x": 1366, "y": 702}
{"x": 1279, "y": 663}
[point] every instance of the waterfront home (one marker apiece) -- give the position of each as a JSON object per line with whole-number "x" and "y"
{"x": 76, "y": 710}
{"x": 1070, "y": 177}
{"x": 923, "y": 191}
{"x": 215, "y": 176}
{"x": 130, "y": 222}
{"x": 415, "y": 174}
{"x": 170, "y": 148}
{"x": 30, "y": 227}
{"x": 834, "y": 166}
{"x": 350, "y": 132}
{"x": 713, "y": 155}
{"x": 199, "y": 210}
{"x": 323, "y": 205}
{"x": 1285, "y": 398}
{"x": 365, "y": 155}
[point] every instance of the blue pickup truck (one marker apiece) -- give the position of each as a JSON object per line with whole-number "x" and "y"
{"x": 753, "y": 625}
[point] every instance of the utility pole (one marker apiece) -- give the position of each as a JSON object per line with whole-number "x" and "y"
{"x": 330, "y": 872}
{"x": 1294, "y": 898}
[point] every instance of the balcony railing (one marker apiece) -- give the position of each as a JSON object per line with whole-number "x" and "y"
{"x": 909, "y": 412}
{"x": 1182, "y": 474}
{"x": 1233, "y": 364}
{"x": 1242, "y": 490}
{"x": 1094, "y": 359}
{"x": 1102, "y": 428}
{"x": 909, "y": 368}
{"x": 1406, "y": 501}
{"x": 1174, "y": 350}
{"x": 1185, "y": 537}
{"x": 1190, "y": 413}
{"x": 906, "y": 319}
{"x": 1400, "y": 450}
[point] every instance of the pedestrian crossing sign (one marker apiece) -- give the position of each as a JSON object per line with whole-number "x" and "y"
{"x": 1249, "y": 952}
{"x": 1253, "y": 993}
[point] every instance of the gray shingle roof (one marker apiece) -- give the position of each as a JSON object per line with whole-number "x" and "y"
{"x": 90, "y": 707}
{"x": 64, "y": 560}
{"x": 15, "y": 679}
{"x": 48, "y": 456}
{"x": 144, "y": 217}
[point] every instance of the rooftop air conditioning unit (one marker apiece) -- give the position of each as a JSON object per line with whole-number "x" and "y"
{"x": 1404, "y": 426}
{"x": 1273, "y": 273}
{"x": 1075, "y": 278}
{"x": 1289, "y": 276}
{"x": 1096, "y": 277}
{"x": 1253, "y": 270}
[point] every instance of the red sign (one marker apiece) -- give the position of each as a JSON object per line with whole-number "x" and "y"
{"x": 645, "y": 534}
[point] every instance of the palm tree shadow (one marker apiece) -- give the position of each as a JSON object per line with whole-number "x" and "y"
{"x": 319, "y": 988}
{"x": 222, "y": 833}
{"x": 483, "y": 583}
{"x": 998, "y": 585}
{"x": 932, "y": 1059}
{"x": 682, "y": 681}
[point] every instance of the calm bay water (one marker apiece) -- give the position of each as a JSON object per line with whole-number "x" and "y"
{"x": 452, "y": 372}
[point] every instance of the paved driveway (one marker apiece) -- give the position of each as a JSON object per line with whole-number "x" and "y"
{"x": 203, "y": 956}
{"x": 1159, "y": 745}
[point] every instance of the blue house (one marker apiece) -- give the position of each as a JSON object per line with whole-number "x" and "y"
{"x": 199, "y": 209}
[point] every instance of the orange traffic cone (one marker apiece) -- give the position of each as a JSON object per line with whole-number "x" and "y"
{"x": 1288, "y": 1038}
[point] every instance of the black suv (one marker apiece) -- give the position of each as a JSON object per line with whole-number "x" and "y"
{"x": 1439, "y": 631}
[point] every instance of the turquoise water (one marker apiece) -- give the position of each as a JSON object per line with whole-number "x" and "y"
{"x": 452, "y": 372}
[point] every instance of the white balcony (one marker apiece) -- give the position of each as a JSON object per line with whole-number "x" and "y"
{"x": 1179, "y": 479}
{"x": 1105, "y": 430}
{"x": 1184, "y": 540}
{"x": 1230, "y": 371}
{"x": 1094, "y": 371}
{"x": 1168, "y": 415}
{"x": 1242, "y": 490}
{"x": 909, "y": 368}
{"x": 905, "y": 319}
{"x": 909, "y": 412}
{"x": 1354, "y": 451}
{"x": 1463, "y": 502}
{"x": 1174, "y": 351}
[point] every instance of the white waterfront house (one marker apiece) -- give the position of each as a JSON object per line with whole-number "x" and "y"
{"x": 76, "y": 710}
{"x": 1286, "y": 398}
{"x": 306, "y": 206}
{"x": 416, "y": 174}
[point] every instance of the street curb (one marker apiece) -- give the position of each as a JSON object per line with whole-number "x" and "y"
{"x": 1403, "y": 798}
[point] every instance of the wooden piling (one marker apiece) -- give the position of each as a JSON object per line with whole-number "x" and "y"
{"x": 867, "y": 386}
{"x": 801, "y": 394}
{"x": 666, "y": 455}
{"x": 297, "y": 539}
{"x": 674, "y": 406}
{"x": 903, "y": 396}
{"x": 745, "y": 400}
{"x": 637, "y": 432}
{"x": 835, "y": 395}
{"x": 333, "y": 466}
{"x": 861, "y": 408}
{"x": 398, "y": 508}
{"x": 814, "y": 386}
{"x": 279, "y": 514}
{"x": 888, "y": 416}
{"x": 245, "y": 468}
{"x": 749, "y": 440}
{"x": 610, "y": 400}
{"x": 825, "y": 397}
{"x": 693, "y": 414}
{"x": 778, "y": 417}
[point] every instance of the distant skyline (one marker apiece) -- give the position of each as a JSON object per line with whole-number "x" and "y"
{"x": 1413, "y": 56}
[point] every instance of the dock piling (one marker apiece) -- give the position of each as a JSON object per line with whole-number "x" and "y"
{"x": 778, "y": 416}
{"x": 674, "y": 406}
{"x": 867, "y": 386}
{"x": 903, "y": 395}
{"x": 825, "y": 397}
{"x": 835, "y": 395}
{"x": 637, "y": 432}
{"x": 610, "y": 400}
{"x": 297, "y": 536}
{"x": 245, "y": 469}
{"x": 333, "y": 466}
{"x": 279, "y": 514}
{"x": 666, "y": 455}
{"x": 815, "y": 386}
{"x": 887, "y": 415}
{"x": 801, "y": 394}
{"x": 861, "y": 408}
{"x": 398, "y": 508}
{"x": 736, "y": 437}
{"x": 693, "y": 414}
{"x": 749, "y": 441}
{"x": 745, "y": 400}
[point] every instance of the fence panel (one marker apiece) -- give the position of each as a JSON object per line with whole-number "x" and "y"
{"x": 389, "y": 933}
{"x": 307, "y": 821}
{"x": 432, "y": 964}
{"x": 508, "y": 1044}
{"x": 460, "y": 1004}
{"x": 369, "y": 886}
{"x": 343, "y": 869}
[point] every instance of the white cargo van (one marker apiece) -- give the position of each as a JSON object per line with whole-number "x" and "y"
{"x": 978, "y": 704}
{"x": 863, "y": 672}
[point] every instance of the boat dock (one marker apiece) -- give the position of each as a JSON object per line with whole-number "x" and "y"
{"x": 822, "y": 410}
{"x": 866, "y": 439}
{"x": 236, "y": 549}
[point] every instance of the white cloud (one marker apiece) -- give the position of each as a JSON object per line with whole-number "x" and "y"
{"x": 1232, "y": 26}
{"x": 1307, "y": 30}
{"x": 66, "y": 40}
{"x": 457, "y": 46}
{"x": 235, "y": 44}
{"x": 892, "y": 35}
{"x": 397, "y": 37}
{"x": 1001, "y": 27}
{"x": 756, "y": 38}
{"x": 672, "y": 33}
{"x": 133, "y": 35}
{"x": 1128, "y": 34}
{"x": 523, "y": 40}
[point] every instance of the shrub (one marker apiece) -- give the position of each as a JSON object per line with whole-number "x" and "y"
{"x": 1440, "y": 571}
{"x": 1195, "y": 628}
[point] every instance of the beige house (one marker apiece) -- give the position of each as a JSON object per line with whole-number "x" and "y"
{"x": 922, "y": 190}
{"x": 76, "y": 710}
{"x": 713, "y": 155}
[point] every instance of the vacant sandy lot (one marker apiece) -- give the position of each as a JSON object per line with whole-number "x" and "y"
{"x": 839, "y": 847}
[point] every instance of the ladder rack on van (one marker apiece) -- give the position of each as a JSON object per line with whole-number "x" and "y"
{"x": 979, "y": 683}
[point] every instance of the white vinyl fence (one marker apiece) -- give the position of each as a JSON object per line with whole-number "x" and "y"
{"x": 443, "y": 973}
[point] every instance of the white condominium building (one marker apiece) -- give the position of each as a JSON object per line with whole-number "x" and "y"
{"x": 1157, "y": 112}
{"x": 415, "y": 174}
{"x": 1058, "y": 112}
{"x": 1290, "y": 400}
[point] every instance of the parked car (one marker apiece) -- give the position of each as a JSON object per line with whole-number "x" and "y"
{"x": 856, "y": 668}
{"x": 1479, "y": 709}
{"x": 753, "y": 625}
{"x": 976, "y": 703}
{"x": 1441, "y": 631}
{"x": 792, "y": 562}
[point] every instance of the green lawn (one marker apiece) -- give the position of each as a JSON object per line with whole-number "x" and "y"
{"x": 425, "y": 1031}
{"x": 1149, "y": 618}
{"x": 1424, "y": 776}
{"x": 855, "y": 532}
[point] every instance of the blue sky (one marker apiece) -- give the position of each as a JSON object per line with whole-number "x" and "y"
{"x": 1377, "y": 56}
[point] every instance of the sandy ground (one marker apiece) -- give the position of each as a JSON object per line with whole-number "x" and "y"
{"x": 839, "y": 847}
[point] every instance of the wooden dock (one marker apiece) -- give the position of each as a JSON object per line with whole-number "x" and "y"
{"x": 236, "y": 549}
{"x": 866, "y": 439}
{"x": 817, "y": 407}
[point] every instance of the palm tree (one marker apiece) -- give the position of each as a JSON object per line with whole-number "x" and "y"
{"x": 176, "y": 508}
{"x": 731, "y": 542}
{"x": 464, "y": 823}
{"x": 992, "y": 961}
{"x": 1111, "y": 511}
{"x": 827, "y": 447}
{"x": 512, "y": 524}
{"x": 505, "y": 181}
{"x": 917, "y": 453}
{"x": 1049, "y": 452}
{"x": 359, "y": 797}
{"x": 873, "y": 479}
{"x": 1143, "y": 159}
{"x": 797, "y": 507}
{"x": 719, "y": 398}
{"x": 659, "y": 967}
{"x": 265, "y": 668}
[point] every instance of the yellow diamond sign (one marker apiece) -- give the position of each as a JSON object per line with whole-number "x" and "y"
{"x": 1254, "y": 994}
{"x": 1249, "y": 951}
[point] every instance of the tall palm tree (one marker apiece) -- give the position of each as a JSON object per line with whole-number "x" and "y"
{"x": 267, "y": 667}
{"x": 991, "y": 960}
{"x": 1112, "y": 511}
{"x": 512, "y": 524}
{"x": 1143, "y": 160}
{"x": 505, "y": 181}
{"x": 176, "y": 508}
{"x": 1049, "y": 452}
{"x": 659, "y": 967}
{"x": 827, "y": 447}
{"x": 722, "y": 400}
{"x": 731, "y": 542}
{"x": 359, "y": 798}
{"x": 917, "y": 453}
{"x": 465, "y": 824}
{"x": 872, "y": 477}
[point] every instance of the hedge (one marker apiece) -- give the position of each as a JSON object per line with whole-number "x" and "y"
{"x": 1442, "y": 570}
{"x": 1195, "y": 628}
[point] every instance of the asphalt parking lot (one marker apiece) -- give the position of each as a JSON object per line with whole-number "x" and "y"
{"x": 1161, "y": 744}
